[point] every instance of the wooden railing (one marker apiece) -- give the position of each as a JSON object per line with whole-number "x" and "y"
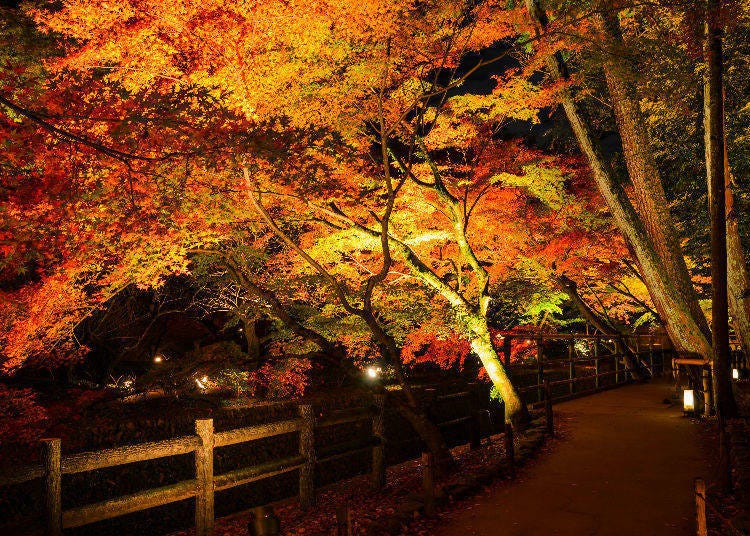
{"x": 648, "y": 349}
{"x": 206, "y": 483}
{"x": 205, "y": 440}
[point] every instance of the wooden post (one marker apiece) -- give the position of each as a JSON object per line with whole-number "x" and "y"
{"x": 540, "y": 367}
{"x": 51, "y": 453}
{"x": 378, "y": 451}
{"x": 475, "y": 435}
{"x": 700, "y": 507}
{"x": 597, "y": 382}
{"x": 510, "y": 449}
{"x": 651, "y": 353}
{"x": 617, "y": 362}
{"x": 307, "y": 451}
{"x": 548, "y": 408}
{"x": 204, "y": 476}
{"x": 344, "y": 521}
{"x": 572, "y": 366}
{"x": 428, "y": 483}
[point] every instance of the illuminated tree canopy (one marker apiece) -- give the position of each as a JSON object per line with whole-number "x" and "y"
{"x": 389, "y": 180}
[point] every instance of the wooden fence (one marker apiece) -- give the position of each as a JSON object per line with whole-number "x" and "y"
{"x": 206, "y": 483}
{"x": 203, "y": 442}
{"x": 597, "y": 352}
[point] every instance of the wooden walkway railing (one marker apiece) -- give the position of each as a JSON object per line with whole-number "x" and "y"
{"x": 206, "y": 483}
{"x": 205, "y": 440}
{"x": 602, "y": 350}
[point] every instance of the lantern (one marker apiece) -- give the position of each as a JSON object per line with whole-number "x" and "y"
{"x": 688, "y": 401}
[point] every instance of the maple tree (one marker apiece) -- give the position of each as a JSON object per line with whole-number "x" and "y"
{"x": 332, "y": 160}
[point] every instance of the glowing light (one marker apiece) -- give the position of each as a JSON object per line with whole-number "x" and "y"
{"x": 735, "y": 374}
{"x": 373, "y": 372}
{"x": 528, "y": 341}
{"x": 202, "y": 382}
{"x": 158, "y": 359}
{"x": 688, "y": 401}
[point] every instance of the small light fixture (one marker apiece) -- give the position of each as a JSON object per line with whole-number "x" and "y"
{"x": 688, "y": 401}
{"x": 202, "y": 382}
{"x": 158, "y": 359}
{"x": 735, "y": 374}
{"x": 373, "y": 372}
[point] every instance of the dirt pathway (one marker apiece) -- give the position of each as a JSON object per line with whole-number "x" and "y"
{"x": 626, "y": 467}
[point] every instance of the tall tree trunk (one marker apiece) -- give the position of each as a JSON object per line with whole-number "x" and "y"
{"x": 481, "y": 344}
{"x": 714, "y": 141}
{"x": 648, "y": 190}
{"x": 684, "y": 331}
{"x": 738, "y": 279}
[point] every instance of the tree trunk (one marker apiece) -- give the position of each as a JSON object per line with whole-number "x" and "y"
{"x": 250, "y": 325}
{"x": 738, "y": 280}
{"x": 481, "y": 344}
{"x": 714, "y": 140}
{"x": 648, "y": 191}
{"x": 684, "y": 331}
{"x": 427, "y": 432}
{"x": 638, "y": 370}
{"x": 570, "y": 288}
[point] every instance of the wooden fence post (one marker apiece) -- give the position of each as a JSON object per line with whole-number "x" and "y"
{"x": 307, "y": 450}
{"x": 549, "y": 418}
{"x": 700, "y": 507}
{"x": 651, "y": 353}
{"x": 597, "y": 368}
{"x": 378, "y": 451}
{"x": 428, "y": 483}
{"x": 204, "y": 475}
{"x": 572, "y": 366}
{"x": 51, "y": 452}
{"x": 616, "y": 356}
{"x": 344, "y": 521}
{"x": 475, "y": 430}
{"x": 539, "y": 366}
{"x": 510, "y": 449}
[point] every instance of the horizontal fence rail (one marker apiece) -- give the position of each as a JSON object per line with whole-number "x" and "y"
{"x": 205, "y": 440}
{"x": 205, "y": 484}
{"x": 601, "y": 352}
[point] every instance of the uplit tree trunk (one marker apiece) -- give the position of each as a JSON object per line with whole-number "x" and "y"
{"x": 683, "y": 329}
{"x": 713, "y": 116}
{"x": 648, "y": 191}
{"x": 471, "y": 311}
